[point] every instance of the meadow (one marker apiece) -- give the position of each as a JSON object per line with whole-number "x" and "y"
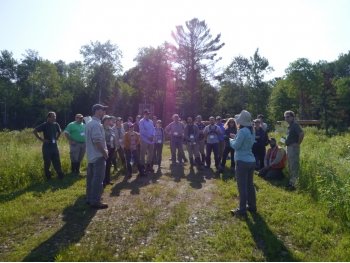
{"x": 177, "y": 214}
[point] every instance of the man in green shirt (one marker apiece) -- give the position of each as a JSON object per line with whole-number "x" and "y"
{"x": 295, "y": 136}
{"x": 75, "y": 133}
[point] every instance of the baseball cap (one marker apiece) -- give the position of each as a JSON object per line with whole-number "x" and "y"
{"x": 98, "y": 107}
{"x": 106, "y": 117}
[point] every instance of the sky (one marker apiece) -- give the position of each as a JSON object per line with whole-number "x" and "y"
{"x": 283, "y": 30}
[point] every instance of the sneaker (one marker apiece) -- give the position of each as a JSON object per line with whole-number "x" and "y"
{"x": 238, "y": 213}
{"x": 99, "y": 206}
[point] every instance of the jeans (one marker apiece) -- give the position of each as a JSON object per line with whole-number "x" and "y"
{"x": 215, "y": 148}
{"x": 244, "y": 174}
{"x": 135, "y": 154}
{"x": 51, "y": 154}
{"x": 77, "y": 152}
{"x": 177, "y": 143}
{"x": 228, "y": 149}
{"x": 94, "y": 180}
{"x": 146, "y": 148}
{"x": 157, "y": 153}
{"x": 293, "y": 153}
{"x": 111, "y": 154}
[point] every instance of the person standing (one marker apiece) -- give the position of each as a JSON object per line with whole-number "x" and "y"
{"x": 147, "y": 132}
{"x": 245, "y": 164}
{"x": 201, "y": 137}
{"x": 97, "y": 154}
{"x": 230, "y": 132}
{"x": 132, "y": 150}
{"x": 295, "y": 136}
{"x": 51, "y": 132}
{"x": 176, "y": 130}
{"x": 221, "y": 137}
{"x": 75, "y": 134}
{"x": 120, "y": 133}
{"x": 191, "y": 138}
{"x": 212, "y": 133}
{"x": 259, "y": 147}
{"x": 158, "y": 143}
{"x": 111, "y": 142}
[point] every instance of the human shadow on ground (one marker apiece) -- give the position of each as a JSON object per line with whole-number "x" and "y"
{"x": 77, "y": 217}
{"x": 265, "y": 240}
{"x": 134, "y": 183}
{"x": 42, "y": 187}
{"x": 228, "y": 175}
{"x": 177, "y": 172}
{"x": 195, "y": 178}
{"x": 281, "y": 183}
{"x": 209, "y": 173}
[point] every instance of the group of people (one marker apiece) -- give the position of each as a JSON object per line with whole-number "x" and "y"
{"x": 140, "y": 143}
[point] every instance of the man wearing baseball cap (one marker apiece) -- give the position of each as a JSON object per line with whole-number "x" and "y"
{"x": 97, "y": 154}
{"x": 75, "y": 134}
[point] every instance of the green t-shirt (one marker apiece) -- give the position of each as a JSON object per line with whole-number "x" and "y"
{"x": 76, "y": 131}
{"x": 293, "y": 133}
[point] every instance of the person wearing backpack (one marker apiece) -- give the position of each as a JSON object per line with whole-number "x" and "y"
{"x": 212, "y": 133}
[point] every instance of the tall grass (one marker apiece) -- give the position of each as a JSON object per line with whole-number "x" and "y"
{"x": 21, "y": 160}
{"x": 325, "y": 170}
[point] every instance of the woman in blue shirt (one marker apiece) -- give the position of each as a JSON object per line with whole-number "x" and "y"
{"x": 245, "y": 163}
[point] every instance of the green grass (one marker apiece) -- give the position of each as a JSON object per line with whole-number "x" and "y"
{"x": 176, "y": 217}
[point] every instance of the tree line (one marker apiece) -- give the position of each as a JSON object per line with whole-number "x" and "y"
{"x": 173, "y": 77}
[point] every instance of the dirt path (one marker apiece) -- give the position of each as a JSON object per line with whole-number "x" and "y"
{"x": 140, "y": 208}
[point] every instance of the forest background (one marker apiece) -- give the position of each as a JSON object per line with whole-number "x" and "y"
{"x": 178, "y": 77}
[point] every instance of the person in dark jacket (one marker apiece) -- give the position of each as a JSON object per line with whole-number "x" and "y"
{"x": 230, "y": 132}
{"x": 259, "y": 147}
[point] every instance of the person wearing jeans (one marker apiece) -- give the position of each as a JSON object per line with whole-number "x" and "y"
{"x": 97, "y": 154}
{"x": 147, "y": 132}
{"x": 245, "y": 164}
{"x": 158, "y": 144}
{"x": 230, "y": 132}
{"x": 176, "y": 130}
{"x": 212, "y": 133}
{"x": 295, "y": 136}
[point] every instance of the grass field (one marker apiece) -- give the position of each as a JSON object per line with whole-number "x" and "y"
{"x": 176, "y": 214}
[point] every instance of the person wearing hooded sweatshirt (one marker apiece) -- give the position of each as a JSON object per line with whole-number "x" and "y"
{"x": 245, "y": 163}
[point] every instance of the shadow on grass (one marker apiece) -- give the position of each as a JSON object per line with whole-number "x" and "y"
{"x": 76, "y": 217}
{"x": 265, "y": 240}
{"x": 228, "y": 175}
{"x": 195, "y": 178}
{"x": 39, "y": 188}
{"x": 177, "y": 172}
{"x": 281, "y": 183}
{"x": 135, "y": 184}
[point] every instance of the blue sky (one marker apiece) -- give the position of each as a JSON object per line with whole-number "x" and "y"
{"x": 282, "y": 30}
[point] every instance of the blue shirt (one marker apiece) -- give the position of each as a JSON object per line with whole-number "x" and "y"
{"x": 146, "y": 130}
{"x": 243, "y": 144}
